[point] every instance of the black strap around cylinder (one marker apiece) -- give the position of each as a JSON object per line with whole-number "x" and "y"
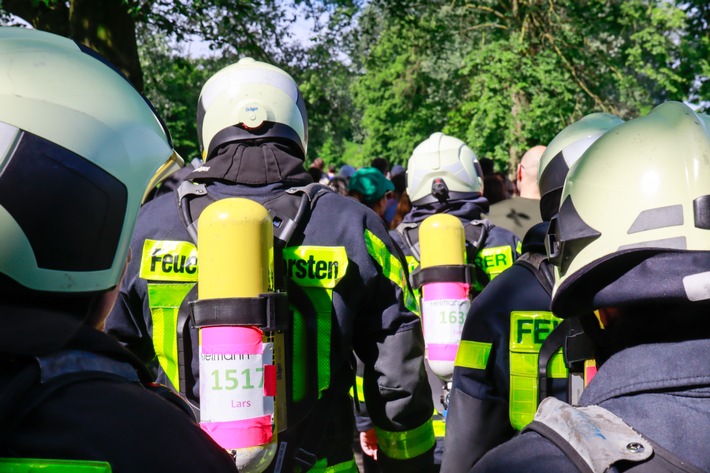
{"x": 267, "y": 311}
{"x": 461, "y": 273}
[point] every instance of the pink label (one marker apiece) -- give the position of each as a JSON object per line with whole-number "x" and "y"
{"x": 445, "y": 290}
{"x": 240, "y": 433}
{"x": 436, "y": 352}
{"x": 241, "y": 339}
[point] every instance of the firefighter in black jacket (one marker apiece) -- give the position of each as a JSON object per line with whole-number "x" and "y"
{"x": 78, "y": 148}
{"x": 638, "y": 280}
{"x": 495, "y": 384}
{"x": 347, "y": 288}
{"x": 443, "y": 176}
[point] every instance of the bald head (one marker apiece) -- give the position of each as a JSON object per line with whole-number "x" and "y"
{"x": 527, "y": 172}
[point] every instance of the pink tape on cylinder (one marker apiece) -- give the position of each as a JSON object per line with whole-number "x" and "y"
{"x": 445, "y": 290}
{"x": 240, "y": 433}
{"x": 438, "y": 352}
{"x": 229, "y": 339}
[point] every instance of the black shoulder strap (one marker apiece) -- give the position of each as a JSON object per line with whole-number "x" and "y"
{"x": 192, "y": 199}
{"x": 540, "y": 267}
{"x": 554, "y": 341}
{"x": 409, "y": 234}
{"x": 561, "y": 443}
{"x": 476, "y": 233}
{"x": 287, "y": 211}
{"x": 41, "y": 377}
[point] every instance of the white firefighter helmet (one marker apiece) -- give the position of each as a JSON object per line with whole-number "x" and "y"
{"x": 79, "y": 148}
{"x": 634, "y": 223}
{"x": 443, "y": 168}
{"x": 247, "y": 101}
{"x": 563, "y": 151}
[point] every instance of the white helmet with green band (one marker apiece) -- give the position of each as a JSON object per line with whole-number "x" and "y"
{"x": 443, "y": 168}
{"x": 79, "y": 147}
{"x": 634, "y": 223}
{"x": 251, "y": 100}
{"x": 563, "y": 151}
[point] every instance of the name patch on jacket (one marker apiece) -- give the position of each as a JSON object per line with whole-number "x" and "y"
{"x": 166, "y": 260}
{"x": 494, "y": 260}
{"x": 530, "y": 329}
{"x": 315, "y": 266}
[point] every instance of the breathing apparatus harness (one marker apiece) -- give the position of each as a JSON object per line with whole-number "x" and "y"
{"x": 289, "y": 211}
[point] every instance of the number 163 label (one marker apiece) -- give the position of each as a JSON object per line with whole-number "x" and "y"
{"x": 443, "y": 320}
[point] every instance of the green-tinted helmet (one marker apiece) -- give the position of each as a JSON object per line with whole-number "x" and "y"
{"x": 443, "y": 168}
{"x": 563, "y": 151}
{"x": 79, "y": 147}
{"x": 251, "y": 100}
{"x": 634, "y": 223}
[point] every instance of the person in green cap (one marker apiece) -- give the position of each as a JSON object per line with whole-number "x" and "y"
{"x": 372, "y": 188}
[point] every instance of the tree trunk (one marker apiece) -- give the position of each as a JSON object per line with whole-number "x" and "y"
{"x": 52, "y": 17}
{"x": 519, "y": 102}
{"x": 105, "y": 26}
{"x": 108, "y": 28}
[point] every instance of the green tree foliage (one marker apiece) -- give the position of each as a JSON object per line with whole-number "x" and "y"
{"x": 324, "y": 75}
{"x": 120, "y": 29}
{"x": 520, "y": 70}
{"x": 379, "y": 76}
{"x": 406, "y": 88}
{"x": 172, "y": 83}
{"x": 696, "y": 51}
{"x": 105, "y": 26}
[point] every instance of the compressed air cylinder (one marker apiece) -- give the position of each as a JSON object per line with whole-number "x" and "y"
{"x": 237, "y": 374}
{"x": 444, "y": 305}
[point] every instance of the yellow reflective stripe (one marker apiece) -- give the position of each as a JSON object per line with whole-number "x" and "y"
{"x": 316, "y": 266}
{"x": 322, "y": 300}
{"x": 391, "y": 267}
{"x": 413, "y": 264}
{"x": 439, "y": 425}
{"x": 299, "y": 366}
{"x": 528, "y": 330}
{"x": 473, "y": 355}
{"x": 439, "y": 428}
{"x": 317, "y": 269}
{"x": 494, "y": 260}
{"x": 167, "y": 260}
{"x": 408, "y": 444}
{"x": 321, "y": 466}
{"x": 519, "y": 247}
{"x": 27, "y": 465}
{"x": 164, "y": 302}
{"x": 359, "y": 387}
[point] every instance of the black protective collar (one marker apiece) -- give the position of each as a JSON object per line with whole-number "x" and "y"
{"x": 253, "y": 164}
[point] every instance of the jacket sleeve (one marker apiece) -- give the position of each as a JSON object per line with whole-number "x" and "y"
{"x": 127, "y": 321}
{"x": 389, "y": 341}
